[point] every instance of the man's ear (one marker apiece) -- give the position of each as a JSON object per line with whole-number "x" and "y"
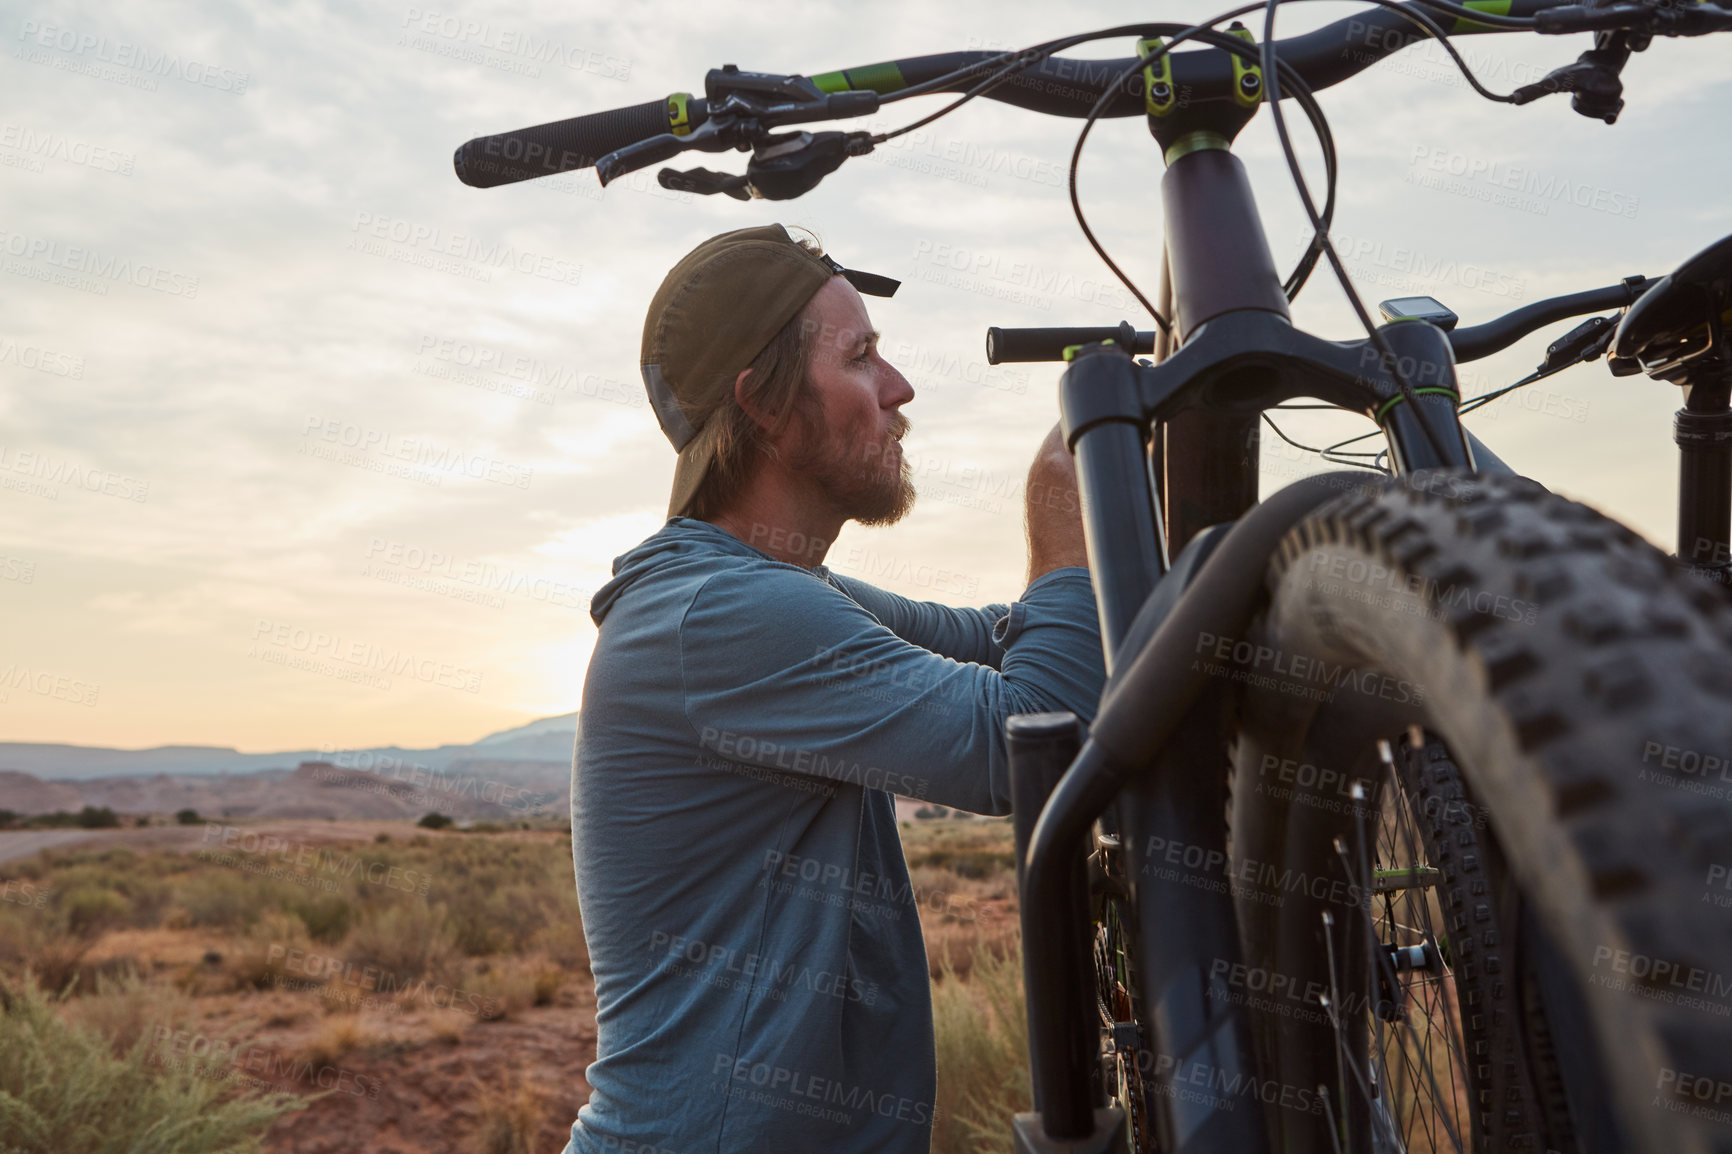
{"x": 747, "y": 399}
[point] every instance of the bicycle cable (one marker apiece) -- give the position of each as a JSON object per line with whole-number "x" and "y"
{"x": 1271, "y": 79}
{"x": 1485, "y": 399}
{"x": 1208, "y": 35}
{"x": 1008, "y": 64}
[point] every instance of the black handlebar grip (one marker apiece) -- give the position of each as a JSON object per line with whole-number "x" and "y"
{"x": 561, "y": 146}
{"x": 1006, "y": 345}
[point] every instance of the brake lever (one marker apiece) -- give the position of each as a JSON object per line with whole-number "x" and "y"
{"x": 1581, "y": 344}
{"x": 1662, "y": 18}
{"x": 1593, "y": 78}
{"x": 704, "y": 182}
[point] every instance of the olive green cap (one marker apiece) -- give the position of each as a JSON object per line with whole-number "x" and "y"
{"x": 713, "y": 314}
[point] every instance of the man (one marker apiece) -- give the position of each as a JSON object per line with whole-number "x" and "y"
{"x": 760, "y": 976}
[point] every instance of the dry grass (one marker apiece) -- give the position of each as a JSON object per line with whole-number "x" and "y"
{"x": 980, "y": 1027}
{"x": 511, "y": 1116}
{"x": 338, "y": 1036}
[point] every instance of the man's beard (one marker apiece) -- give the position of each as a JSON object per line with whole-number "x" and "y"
{"x": 871, "y": 484}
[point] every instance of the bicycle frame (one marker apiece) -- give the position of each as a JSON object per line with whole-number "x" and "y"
{"x": 1163, "y": 451}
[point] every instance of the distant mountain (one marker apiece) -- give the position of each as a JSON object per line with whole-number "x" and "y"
{"x": 547, "y": 741}
{"x": 565, "y": 724}
{"x": 314, "y": 789}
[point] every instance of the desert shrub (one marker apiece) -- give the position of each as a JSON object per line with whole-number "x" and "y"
{"x": 127, "y": 1009}
{"x": 93, "y": 817}
{"x": 505, "y": 986}
{"x": 262, "y": 960}
{"x": 980, "y": 1028}
{"x": 433, "y": 821}
{"x": 89, "y": 911}
{"x": 326, "y": 916}
{"x": 62, "y": 1088}
{"x": 967, "y": 863}
{"x": 406, "y": 939}
{"x": 488, "y": 920}
{"x": 220, "y": 899}
{"x": 511, "y": 1116}
{"x": 484, "y": 827}
{"x": 338, "y": 1037}
{"x": 187, "y": 817}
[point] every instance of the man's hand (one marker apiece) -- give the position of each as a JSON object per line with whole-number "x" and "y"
{"x": 1053, "y": 509}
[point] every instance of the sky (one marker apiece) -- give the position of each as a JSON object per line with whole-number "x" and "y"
{"x": 280, "y": 397}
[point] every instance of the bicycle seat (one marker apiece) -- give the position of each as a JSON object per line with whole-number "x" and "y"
{"x": 1680, "y": 321}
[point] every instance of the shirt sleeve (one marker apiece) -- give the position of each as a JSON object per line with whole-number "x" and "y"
{"x": 959, "y": 634}
{"x": 785, "y": 672}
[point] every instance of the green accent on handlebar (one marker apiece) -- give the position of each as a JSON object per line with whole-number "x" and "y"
{"x": 1430, "y": 390}
{"x": 1490, "y": 7}
{"x": 1254, "y": 96}
{"x": 679, "y": 116}
{"x": 1070, "y": 351}
{"x": 880, "y": 78}
{"x": 1158, "y": 73}
{"x": 1198, "y": 141}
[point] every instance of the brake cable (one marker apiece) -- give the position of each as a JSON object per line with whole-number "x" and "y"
{"x": 1272, "y": 79}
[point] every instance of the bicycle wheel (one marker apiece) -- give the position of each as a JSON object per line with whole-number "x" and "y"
{"x": 1557, "y": 979}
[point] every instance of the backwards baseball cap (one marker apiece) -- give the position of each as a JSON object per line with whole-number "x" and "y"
{"x": 713, "y": 314}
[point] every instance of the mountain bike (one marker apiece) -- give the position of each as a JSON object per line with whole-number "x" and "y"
{"x": 1401, "y": 821}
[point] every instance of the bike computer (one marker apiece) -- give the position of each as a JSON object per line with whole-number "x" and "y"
{"x": 1418, "y": 309}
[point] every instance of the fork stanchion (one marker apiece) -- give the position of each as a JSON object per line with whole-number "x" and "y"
{"x": 1056, "y": 976}
{"x": 1703, "y": 431}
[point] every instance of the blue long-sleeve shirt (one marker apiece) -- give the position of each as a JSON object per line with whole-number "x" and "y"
{"x": 760, "y": 975}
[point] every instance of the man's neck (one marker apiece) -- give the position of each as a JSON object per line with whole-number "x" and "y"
{"x": 775, "y": 520}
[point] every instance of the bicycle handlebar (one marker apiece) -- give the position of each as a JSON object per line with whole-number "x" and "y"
{"x": 1056, "y": 86}
{"x": 559, "y": 146}
{"x": 1005, "y": 345}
